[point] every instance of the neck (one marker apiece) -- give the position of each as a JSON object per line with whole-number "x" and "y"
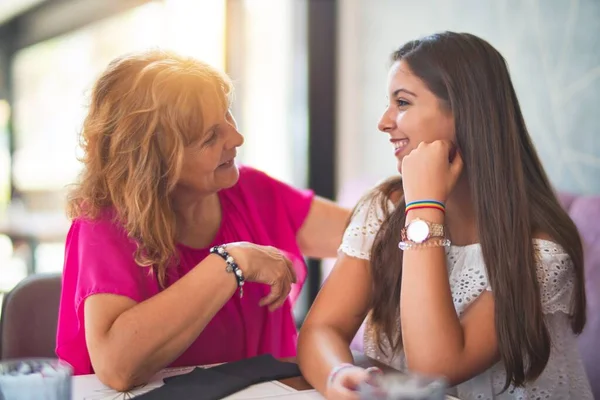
{"x": 198, "y": 217}
{"x": 460, "y": 215}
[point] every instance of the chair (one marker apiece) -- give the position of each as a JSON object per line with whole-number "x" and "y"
{"x": 585, "y": 212}
{"x": 29, "y": 318}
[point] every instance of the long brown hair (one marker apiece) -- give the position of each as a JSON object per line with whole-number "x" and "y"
{"x": 145, "y": 109}
{"x": 512, "y": 199}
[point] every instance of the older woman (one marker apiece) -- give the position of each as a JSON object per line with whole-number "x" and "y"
{"x": 177, "y": 256}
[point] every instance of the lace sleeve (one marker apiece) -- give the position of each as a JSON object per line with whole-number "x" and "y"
{"x": 555, "y": 276}
{"x": 554, "y": 268}
{"x": 360, "y": 234}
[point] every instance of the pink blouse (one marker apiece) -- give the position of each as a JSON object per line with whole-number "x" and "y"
{"x": 258, "y": 209}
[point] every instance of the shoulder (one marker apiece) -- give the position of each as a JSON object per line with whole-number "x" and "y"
{"x": 367, "y": 218}
{"x": 97, "y": 242}
{"x": 100, "y": 258}
{"x": 103, "y": 225}
{"x": 378, "y": 203}
{"x": 372, "y": 209}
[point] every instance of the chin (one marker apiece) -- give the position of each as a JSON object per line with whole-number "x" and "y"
{"x": 228, "y": 177}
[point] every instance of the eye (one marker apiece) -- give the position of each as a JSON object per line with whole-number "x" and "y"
{"x": 402, "y": 103}
{"x": 212, "y": 137}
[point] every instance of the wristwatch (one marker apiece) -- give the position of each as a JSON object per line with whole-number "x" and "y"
{"x": 418, "y": 231}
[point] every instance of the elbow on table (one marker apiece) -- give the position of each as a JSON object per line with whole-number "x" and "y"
{"x": 117, "y": 377}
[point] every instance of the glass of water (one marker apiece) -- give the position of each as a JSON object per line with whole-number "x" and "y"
{"x": 403, "y": 386}
{"x": 36, "y": 378}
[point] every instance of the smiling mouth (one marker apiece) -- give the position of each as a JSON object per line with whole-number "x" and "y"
{"x": 227, "y": 163}
{"x": 399, "y": 145}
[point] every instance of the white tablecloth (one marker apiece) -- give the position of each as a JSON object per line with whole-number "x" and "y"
{"x": 89, "y": 387}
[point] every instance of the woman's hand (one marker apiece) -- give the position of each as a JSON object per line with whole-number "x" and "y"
{"x": 265, "y": 264}
{"x": 345, "y": 383}
{"x": 430, "y": 171}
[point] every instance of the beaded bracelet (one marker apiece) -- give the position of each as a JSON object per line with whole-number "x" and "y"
{"x": 435, "y": 242}
{"x": 231, "y": 266}
{"x": 415, "y": 205}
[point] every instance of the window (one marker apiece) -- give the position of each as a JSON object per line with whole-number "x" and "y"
{"x": 52, "y": 79}
{"x": 269, "y": 68}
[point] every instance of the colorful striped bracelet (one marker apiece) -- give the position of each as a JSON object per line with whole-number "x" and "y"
{"x": 415, "y": 205}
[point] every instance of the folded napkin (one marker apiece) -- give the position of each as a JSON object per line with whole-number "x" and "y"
{"x": 223, "y": 380}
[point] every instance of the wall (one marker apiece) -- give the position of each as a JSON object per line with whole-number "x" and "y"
{"x": 553, "y": 51}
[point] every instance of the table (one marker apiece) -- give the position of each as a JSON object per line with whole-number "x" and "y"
{"x": 88, "y": 387}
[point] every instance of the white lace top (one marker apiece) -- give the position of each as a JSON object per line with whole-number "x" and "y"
{"x": 564, "y": 376}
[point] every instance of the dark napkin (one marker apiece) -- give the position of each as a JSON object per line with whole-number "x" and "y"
{"x": 260, "y": 369}
{"x": 207, "y": 385}
{"x": 223, "y": 380}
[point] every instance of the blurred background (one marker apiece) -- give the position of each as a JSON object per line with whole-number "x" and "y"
{"x": 310, "y": 81}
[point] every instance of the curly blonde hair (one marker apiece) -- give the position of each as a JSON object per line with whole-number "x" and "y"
{"x": 145, "y": 109}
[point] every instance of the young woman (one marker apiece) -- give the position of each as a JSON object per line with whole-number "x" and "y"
{"x": 487, "y": 287}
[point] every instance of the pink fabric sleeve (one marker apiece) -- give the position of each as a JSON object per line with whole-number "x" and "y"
{"x": 98, "y": 259}
{"x": 283, "y": 209}
{"x": 296, "y": 202}
{"x": 276, "y": 195}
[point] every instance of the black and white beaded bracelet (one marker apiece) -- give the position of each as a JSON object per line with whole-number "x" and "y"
{"x": 231, "y": 266}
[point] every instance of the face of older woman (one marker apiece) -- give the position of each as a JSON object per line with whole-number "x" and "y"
{"x": 209, "y": 163}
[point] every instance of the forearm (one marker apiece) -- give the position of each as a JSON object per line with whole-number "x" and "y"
{"x": 431, "y": 331}
{"x": 320, "y": 349}
{"x": 152, "y": 334}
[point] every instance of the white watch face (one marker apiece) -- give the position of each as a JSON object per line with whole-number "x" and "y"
{"x": 417, "y": 231}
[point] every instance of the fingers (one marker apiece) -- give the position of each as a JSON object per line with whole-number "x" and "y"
{"x": 277, "y": 296}
{"x": 374, "y": 371}
{"x": 352, "y": 378}
{"x": 457, "y": 164}
{"x": 277, "y": 271}
{"x": 345, "y": 386}
{"x": 281, "y": 256}
{"x": 450, "y": 148}
{"x": 275, "y": 292}
{"x": 446, "y": 146}
{"x": 279, "y": 302}
{"x": 290, "y": 265}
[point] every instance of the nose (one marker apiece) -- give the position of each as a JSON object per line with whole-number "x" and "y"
{"x": 239, "y": 138}
{"x": 387, "y": 122}
{"x": 235, "y": 137}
